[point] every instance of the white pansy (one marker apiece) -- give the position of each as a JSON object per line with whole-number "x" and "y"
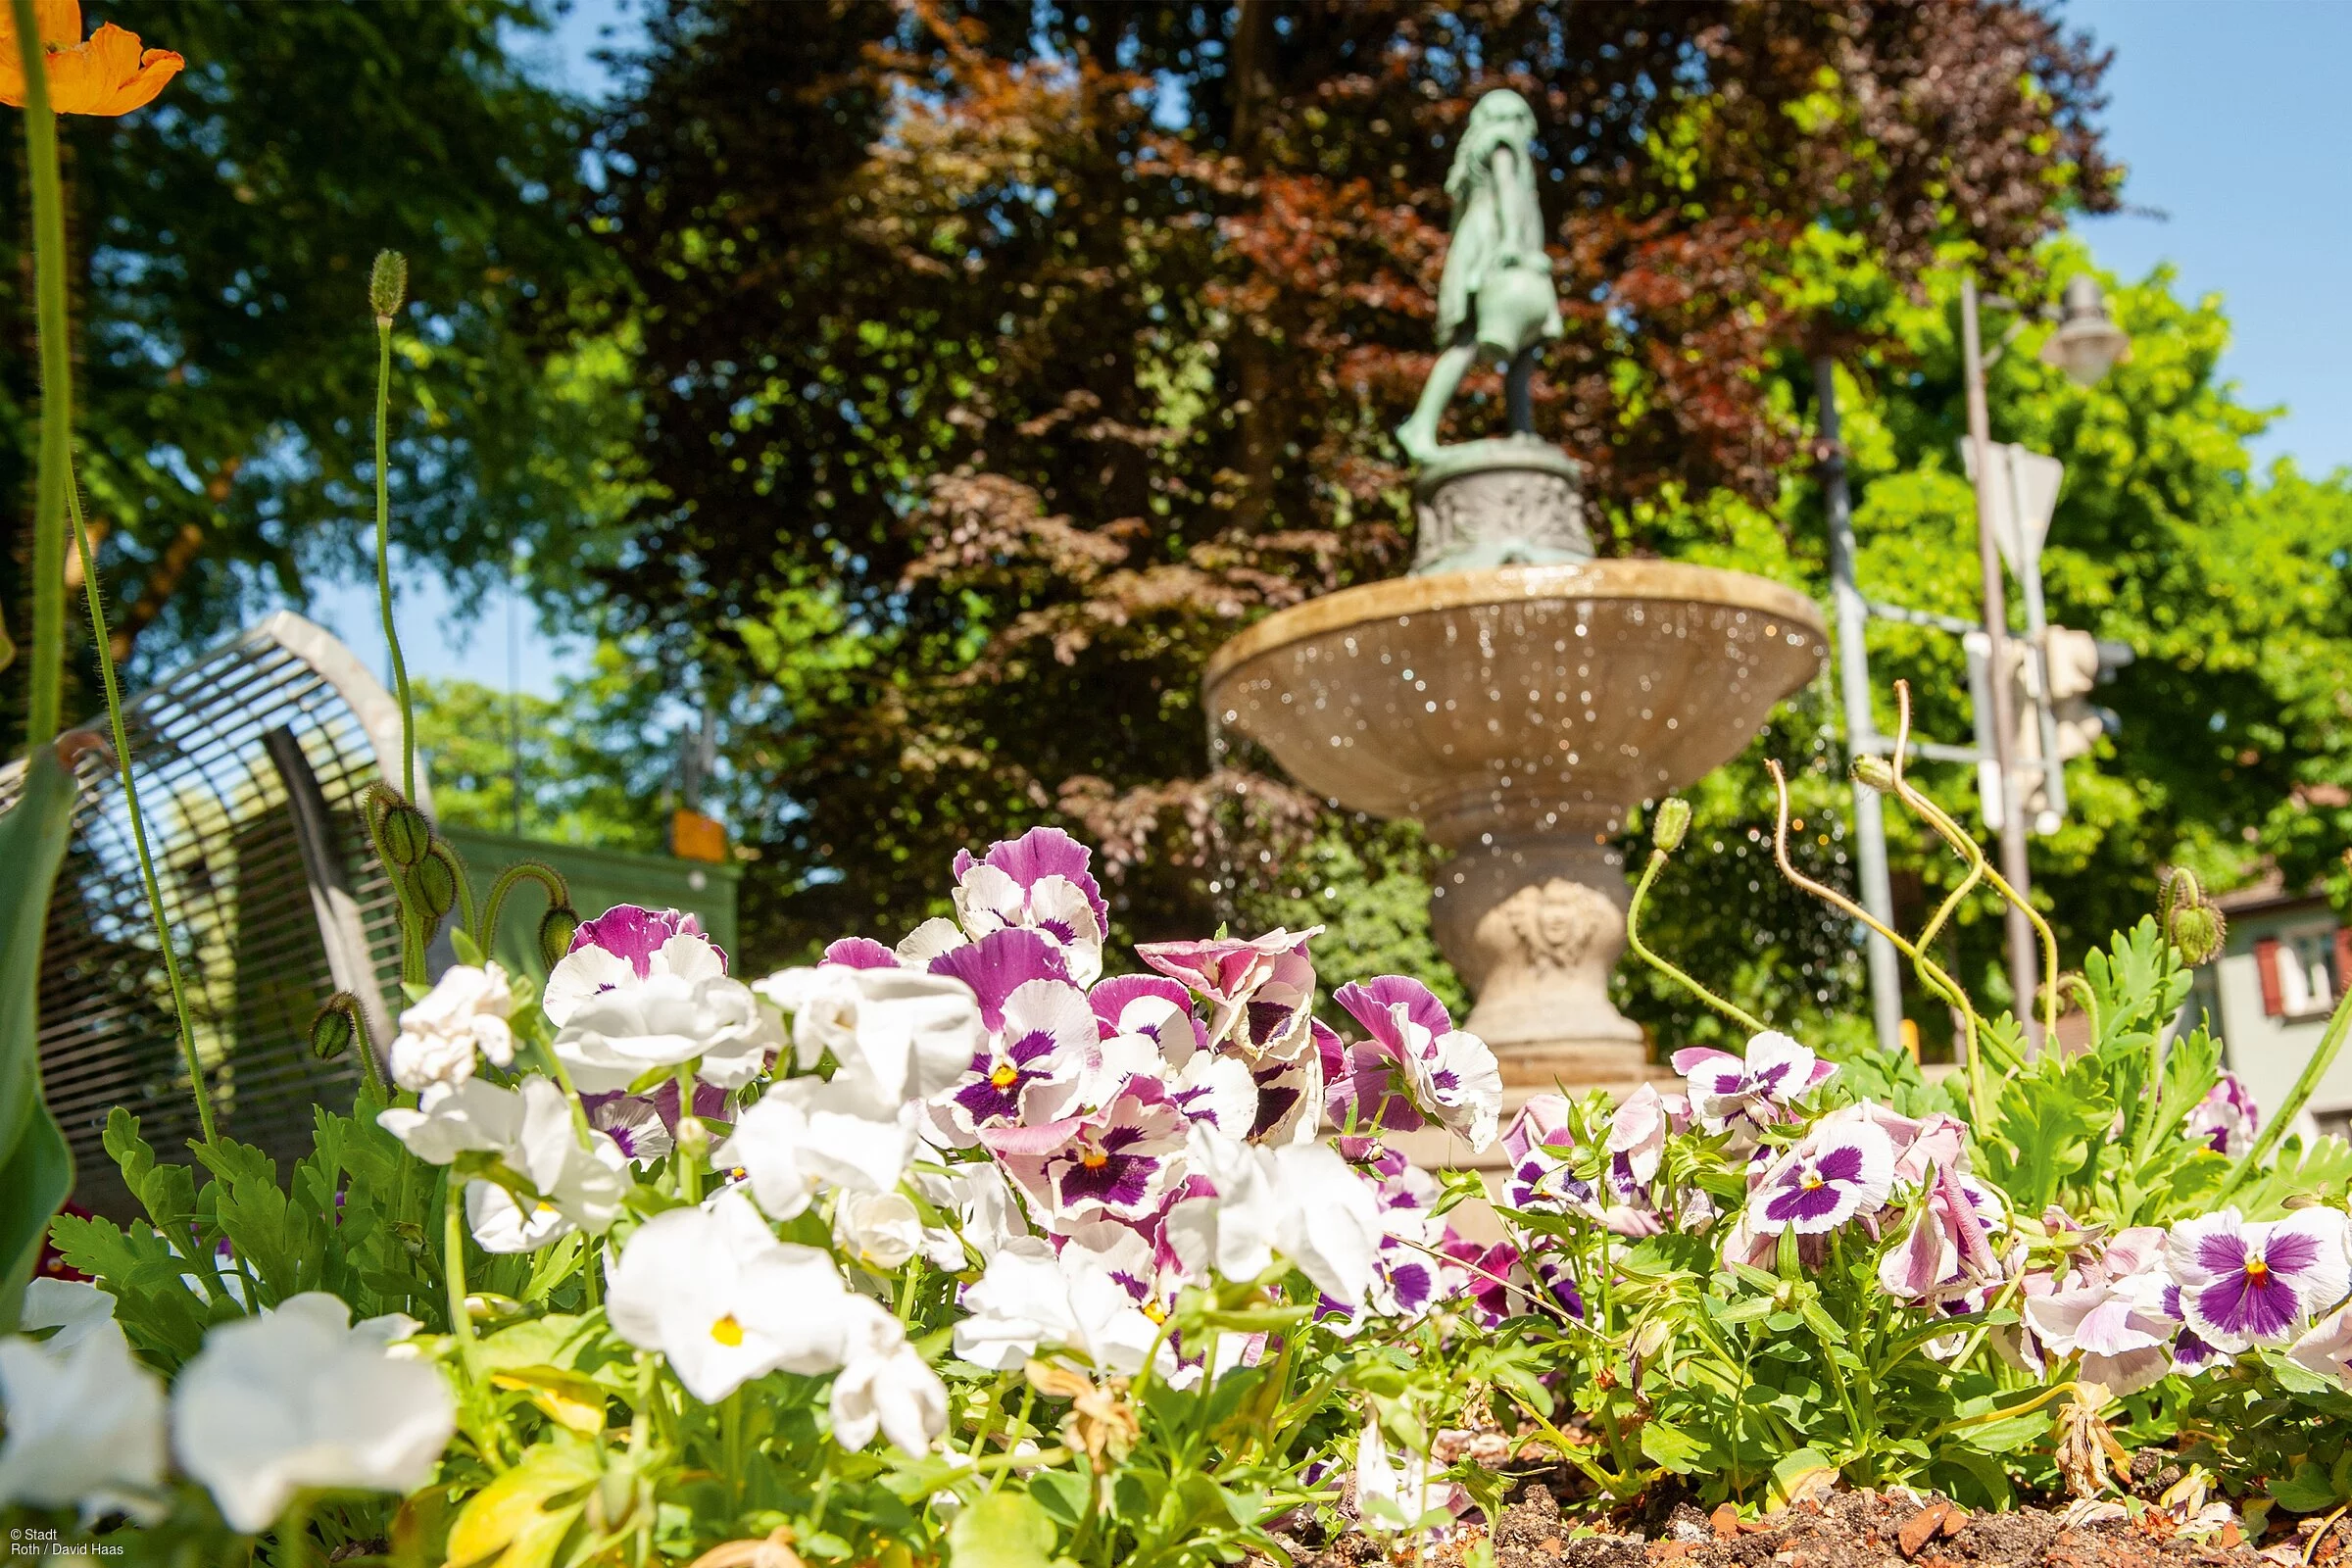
{"x": 470, "y": 1118}
{"x": 822, "y": 1005}
{"x": 578, "y": 975}
{"x": 299, "y": 1398}
{"x": 980, "y": 1202}
{"x": 1030, "y": 1298}
{"x": 929, "y": 940}
{"x": 1300, "y": 1200}
{"x": 1020, "y": 1303}
{"x": 85, "y": 1420}
{"x": 804, "y": 1134}
{"x": 463, "y": 1015}
{"x": 723, "y": 1300}
{"x": 1392, "y": 1493}
{"x": 75, "y": 1308}
{"x": 880, "y": 1230}
{"x": 502, "y": 1223}
{"x": 884, "y": 1386}
{"x": 584, "y": 1178}
{"x": 683, "y": 1008}
{"x": 895, "y": 1035}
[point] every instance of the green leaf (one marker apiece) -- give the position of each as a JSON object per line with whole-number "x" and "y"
{"x": 1004, "y": 1530}
{"x": 2045, "y": 1123}
{"x": 513, "y": 1514}
{"x": 37, "y": 1168}
{"x": 2309, "y": 1490}
{"x": 1677, "y": 1450}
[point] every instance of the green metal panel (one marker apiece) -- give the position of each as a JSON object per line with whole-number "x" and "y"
{"x": 599, "y": 879}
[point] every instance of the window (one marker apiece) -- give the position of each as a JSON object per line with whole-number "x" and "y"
{"x": 2302, "y": 972}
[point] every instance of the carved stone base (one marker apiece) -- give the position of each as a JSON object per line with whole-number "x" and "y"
{"x": 1534, "y": 923}
{"x": 1511, "y": 501}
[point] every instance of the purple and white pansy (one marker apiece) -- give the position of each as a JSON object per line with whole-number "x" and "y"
{"x": 2227, "y": 1119}
{"x": 1447, "y": 1076}
{"x": 2246, "y": 1283}
{"x": 1740, "y": 1094}
{"x": 1830, "y": 1176}
{"x": 1040, "y": 881}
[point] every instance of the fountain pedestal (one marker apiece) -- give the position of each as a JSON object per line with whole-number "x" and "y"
{"x": 1519, "y": 711}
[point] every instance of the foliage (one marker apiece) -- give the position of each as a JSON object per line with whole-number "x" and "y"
{"x": 223, "y": 444}
{"x": 1064, "y": 344}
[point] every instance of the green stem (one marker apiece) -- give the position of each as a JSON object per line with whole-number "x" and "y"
{"x": 294, "y": 1533}
{"x": 383, "y": 549}
{"x": 2322, "y": 1058}
{"x": 453, "y": 1272}
{"x": 1632, "y": 939}
{"x": 372, "y": 1072}
{"x": 138, "y": 821}
{"x": 558, "y": 892}
{"x": 57, "y": 390}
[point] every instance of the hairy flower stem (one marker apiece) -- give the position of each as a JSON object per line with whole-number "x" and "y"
{"x": 448, "y": 856}
{"x": 47, "y": 675}
{"x": 1632, "y": 939}
{"x": 1930, "y": 971}
{"x": 138, "y": 821}
{"x": 2322, "y": 1058}
{"x": 383, "y": 550}
{"x": 558, "y": 892}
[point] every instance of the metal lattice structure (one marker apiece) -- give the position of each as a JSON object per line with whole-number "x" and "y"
{"x": 251, "y": 762}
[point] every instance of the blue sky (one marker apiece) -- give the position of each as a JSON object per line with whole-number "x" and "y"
{"x": 2233, "y": 118}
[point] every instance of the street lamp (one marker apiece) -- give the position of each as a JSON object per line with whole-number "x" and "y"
{"x": 2086, "y": 345}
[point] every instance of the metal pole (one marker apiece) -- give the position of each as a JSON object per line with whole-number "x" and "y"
{"x": 1853, "y": 684}
{"x": 2028, "y": 580}
{"x": 2022, "y": 964}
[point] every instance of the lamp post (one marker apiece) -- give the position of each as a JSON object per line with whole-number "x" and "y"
{"x": 2086, "y": 345}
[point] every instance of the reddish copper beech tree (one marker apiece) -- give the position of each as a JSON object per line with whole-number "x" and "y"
{"x": 999, "y": 361}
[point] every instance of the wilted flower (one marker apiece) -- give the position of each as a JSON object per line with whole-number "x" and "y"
{"x": 2244, "y": 1284}
{"x": 301, "y": 1399}
{"x": 1261, "y": 991}
{"x": 1727, "y": 1091}
{"x": 85, "y": 1420}
{"x": 464, "y": 1014}
{"x": 1637, "y": 1140}
{"x": 1831, "y": 1176}
{"x": 108, "y": 73}
{"x": 1450, "y": 1076}
{"x": 2227, "y": 1119}
{"x": 724, "y": 1302}
{"x": 1393, "y": 1494}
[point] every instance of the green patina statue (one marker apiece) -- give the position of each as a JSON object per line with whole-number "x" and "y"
{"x": 1496, "y": 296}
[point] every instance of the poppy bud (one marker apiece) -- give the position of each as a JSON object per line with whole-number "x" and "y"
{"x": 387, "y": 285}
{"x": 2198, "y": 931}
{"x": 434, "y": 884}
{"x": 1874, "y": 773}
{"x": 557, "y": 927}
{"x": 332, "y": 1030}
{"x": 1674, "y": 820}
{"x": 408, "y": 836}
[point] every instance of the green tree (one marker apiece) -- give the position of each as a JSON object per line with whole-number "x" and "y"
{"x": 1067, "y": 337}
{"x": 223, "y": 238}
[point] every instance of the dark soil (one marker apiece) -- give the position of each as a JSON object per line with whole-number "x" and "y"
{"x": 1860, "y": 1529}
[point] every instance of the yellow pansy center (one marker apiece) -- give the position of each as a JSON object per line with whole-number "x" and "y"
{"x": 727, "y": 1332}
{"x": 1809, "y": 1180}
{"x": 1156, "y": 1311}
{"x": 2257, "y": 1270}
{"x": 1093, "y": 1159}
{"x": 1004, "y": 1075}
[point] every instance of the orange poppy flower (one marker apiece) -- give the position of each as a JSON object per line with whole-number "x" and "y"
{"x": 107, "y": 73}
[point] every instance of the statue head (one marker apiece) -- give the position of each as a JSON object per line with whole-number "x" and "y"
{"x": 1500, "y": 117}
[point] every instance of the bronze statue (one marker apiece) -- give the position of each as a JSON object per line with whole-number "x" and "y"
{"x": 1496, "y": 296}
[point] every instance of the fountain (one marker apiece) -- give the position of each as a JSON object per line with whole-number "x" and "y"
{"x": 1514, "y": 693}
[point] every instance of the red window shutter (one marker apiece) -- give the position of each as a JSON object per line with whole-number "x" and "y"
{"x": 2343, "y": 958}
{"x": 2266, "y": 969}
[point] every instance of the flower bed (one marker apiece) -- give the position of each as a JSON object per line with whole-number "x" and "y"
{"x": 960, "y": 1248}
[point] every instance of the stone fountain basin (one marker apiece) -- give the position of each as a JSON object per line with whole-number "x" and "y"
{"x": 1518, "y": 700}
